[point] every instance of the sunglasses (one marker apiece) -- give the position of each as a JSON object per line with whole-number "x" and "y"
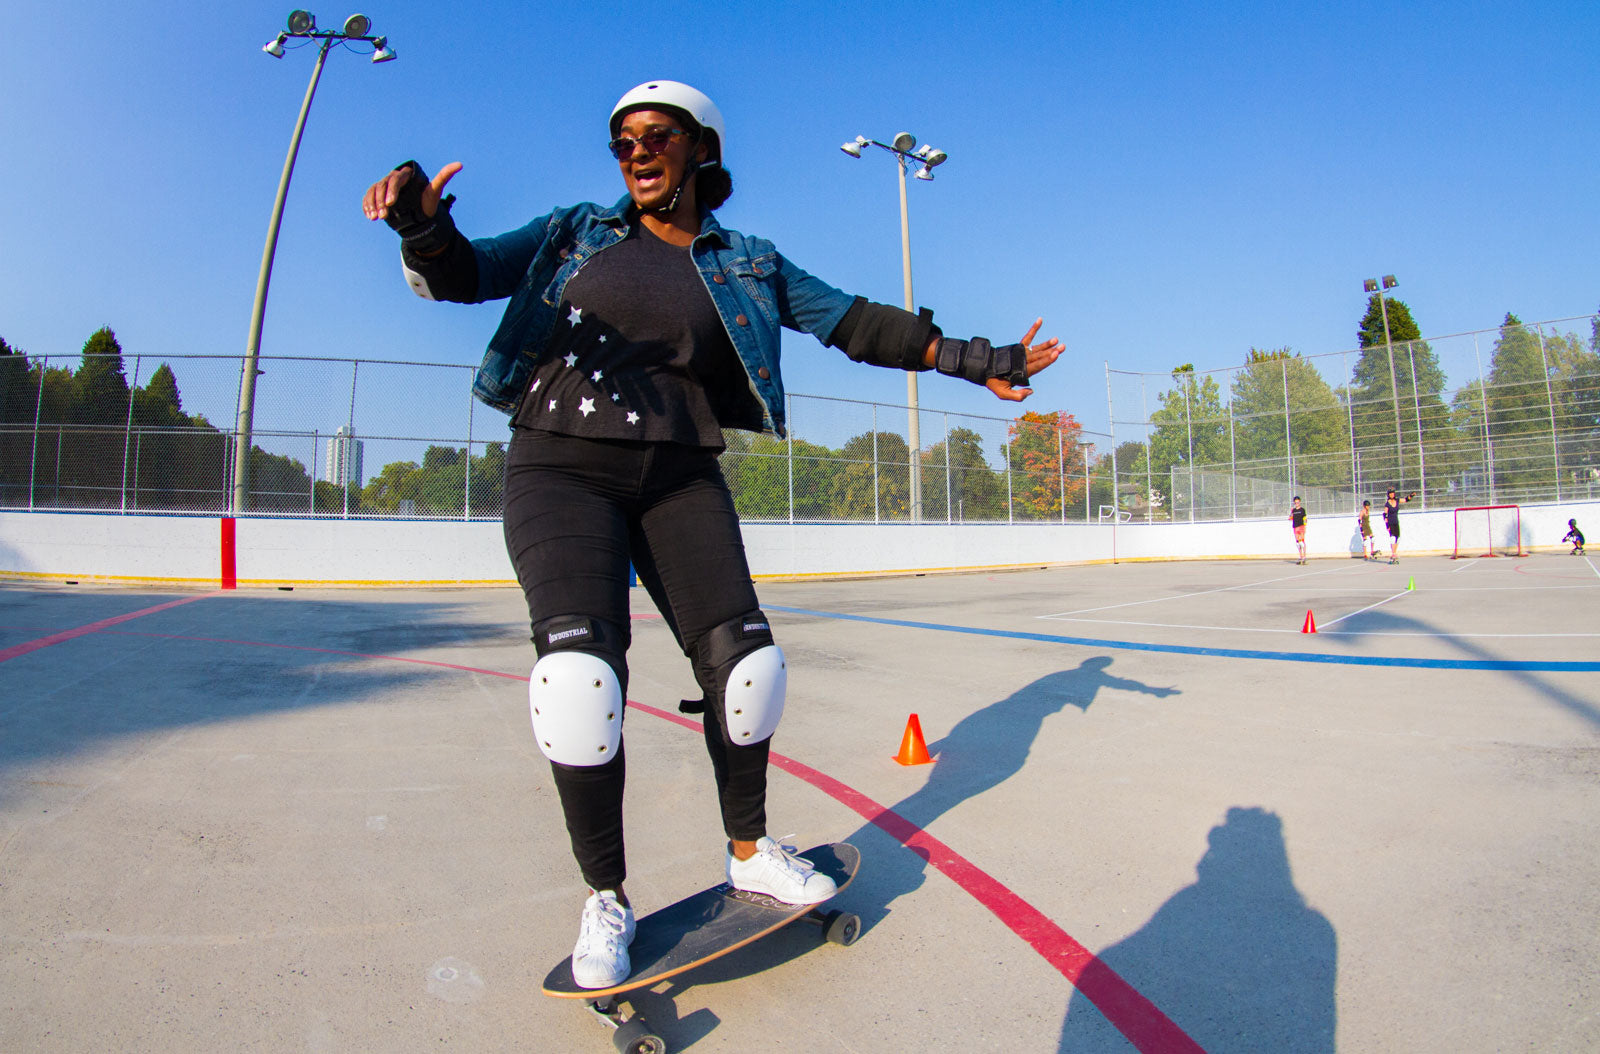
{"x": 653, "y": 141}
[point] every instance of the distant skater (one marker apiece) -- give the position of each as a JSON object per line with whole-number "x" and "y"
{"x": 1391, "y": 520}
{"x": 1369, "y": 544}
{"x": 1297, "y": 520}
{"x": 1574, "y": 536}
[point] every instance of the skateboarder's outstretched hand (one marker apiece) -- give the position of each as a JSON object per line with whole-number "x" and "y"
{"x": 375, "y": 203}
{"x": 1039, "y": 356}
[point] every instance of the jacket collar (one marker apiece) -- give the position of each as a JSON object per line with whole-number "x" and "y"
{"x": 621, "y": 216}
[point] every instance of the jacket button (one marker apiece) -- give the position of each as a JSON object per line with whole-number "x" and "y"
{"x": 764, "y": 373}
{"x": 741, "y": 320}
{"x": 717, "y": 278}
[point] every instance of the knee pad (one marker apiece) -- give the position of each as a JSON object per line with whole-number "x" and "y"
{"x": 751, "y": 677}
{"x": 574, "y": 694}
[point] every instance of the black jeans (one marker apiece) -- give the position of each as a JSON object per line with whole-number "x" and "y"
{"x": 576, "y": 511}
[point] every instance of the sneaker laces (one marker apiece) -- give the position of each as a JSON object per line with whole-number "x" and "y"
{"x": 784, "y": 856}
{"x": 603, "y": 926}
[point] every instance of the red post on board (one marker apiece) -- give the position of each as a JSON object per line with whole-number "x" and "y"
{"x": 230, "y": 567}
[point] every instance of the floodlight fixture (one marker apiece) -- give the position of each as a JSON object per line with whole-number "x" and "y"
{"x": 935, "y": 158}
{"x": 853, "y": 149}
{"x": 302, "y": 22}
{"x": 1369, "y": 285}
{"x": 384, "y": 53}
{"x": 274, "y": 47}
{"x": 904, "y": 142}
{"x": 1389, "y": 281}
{"x": 357, "y": 25}
{"x": 924, "y": 173}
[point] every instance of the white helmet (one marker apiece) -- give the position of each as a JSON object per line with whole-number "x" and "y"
{"x": 681, "y": 98}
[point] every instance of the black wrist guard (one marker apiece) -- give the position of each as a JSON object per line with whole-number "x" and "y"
{"x": 422, "y": 233}
{"x": 977, "y": 360}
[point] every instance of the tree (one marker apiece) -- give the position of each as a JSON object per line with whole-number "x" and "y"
{"x": 1310, "y": 429}
{"x": 874, "y": 482}
{"x": 1191, "y": 431}
{"x": 1047, "y": 464}
{"x": 976, "y": 491}
{"x": 759, "y": 470}
{"x": 1519, "y": 408}
{"x": 100, "y": 387}
{"x": 1396, "y": 383}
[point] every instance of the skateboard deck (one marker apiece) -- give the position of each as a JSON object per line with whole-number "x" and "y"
{"x": 712, "y": 923}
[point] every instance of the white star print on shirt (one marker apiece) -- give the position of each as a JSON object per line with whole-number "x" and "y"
{"x": 602, "y": 338}
{"x": 616, "y": 397}
{"x": 595, "y": 376}
{"x": 552, "y": 404}
{"x": 576, "y": 316}
{"x": 572, "y": 358}
{"x": 586, "y": 407}
{"x": 633, "y": 418}
{"x": 536, "y": 382}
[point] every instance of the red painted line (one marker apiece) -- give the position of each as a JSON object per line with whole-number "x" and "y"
{"x": 230, "y": 553}
{"x": 93, "y": 627}
{"x": 1145, "y": 1026}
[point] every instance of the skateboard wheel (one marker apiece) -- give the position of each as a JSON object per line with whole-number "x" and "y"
{"x": 634, "y": 1037}
{"x": 841, "y": 927}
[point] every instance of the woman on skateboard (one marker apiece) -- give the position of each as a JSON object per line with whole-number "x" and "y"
{"x": 635, "y": 333}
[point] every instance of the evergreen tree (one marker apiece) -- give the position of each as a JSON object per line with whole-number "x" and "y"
{"x": 1519, "y": 409}
{"x": 1394, "y": 381}
{"x": 100, "y": 387}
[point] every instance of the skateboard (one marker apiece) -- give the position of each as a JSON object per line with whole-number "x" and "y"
{"x": 702, "y": 927}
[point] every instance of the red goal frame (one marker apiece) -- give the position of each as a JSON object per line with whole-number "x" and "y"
{"x": 1488, "y": 512}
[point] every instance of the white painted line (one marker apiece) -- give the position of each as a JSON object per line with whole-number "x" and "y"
{"x": 1470, "y": 563}
{"x": 1591, "y": 565}
{"x": 1369, "y": 607}
{"x": 1185, "y": 596}
{"x": 1332, "y": 633}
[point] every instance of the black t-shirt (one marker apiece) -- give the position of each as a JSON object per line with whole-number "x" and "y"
{"x": 1391, "y": 514}
{"x": 639, "y": 352}
{"x": 1297, "y": 517}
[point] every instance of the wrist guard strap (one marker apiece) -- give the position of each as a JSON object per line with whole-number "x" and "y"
{"x": 421, "y": 233}
{"x": 977, "y": 360}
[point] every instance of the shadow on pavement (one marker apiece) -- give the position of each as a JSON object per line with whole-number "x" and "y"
{"x": 1237, "y": 960}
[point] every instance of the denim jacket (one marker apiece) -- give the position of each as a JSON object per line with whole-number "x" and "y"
{"x": 755, "y": 291}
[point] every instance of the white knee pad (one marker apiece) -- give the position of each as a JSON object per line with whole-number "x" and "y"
{"x": 753, "y": 700}
{"x": 577, "y": 708}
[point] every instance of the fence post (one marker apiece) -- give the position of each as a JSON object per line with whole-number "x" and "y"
{"x": 1233, "y": 456}
{"x": 1416, "y": 406}
{"x": 466, "y": 501}
{"x": 38, "y": 409}
{"x": 1483, "y": 403}
{"x": 947, "y": 488}
{"x": 1010, "y": 513}
{"x": 789, "y": 445}
{"x": 127, "y": 434}
{"x": 1061, "y": 466}
{"x": 316, "y": 441}
{"x": 349, "y": 443}
{"x": 1550, "y": 404}
{"x": 1350, "y": 416}
{"x": 875, "y": 513}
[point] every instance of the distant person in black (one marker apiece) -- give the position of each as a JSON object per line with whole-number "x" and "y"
{"x": 1574, "y": 536}
{"x": 1391, "y": 520}
{"x": 1297, "y": 520}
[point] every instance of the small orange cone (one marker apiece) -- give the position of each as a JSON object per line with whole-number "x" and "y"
{"x": 913, "y": 749}
{"x": 1311, "y": 624}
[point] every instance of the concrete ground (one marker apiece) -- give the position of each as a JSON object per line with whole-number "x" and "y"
{"x": 1161, "y": 817}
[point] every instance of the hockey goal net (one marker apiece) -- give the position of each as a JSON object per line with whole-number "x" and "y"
{"x": 1488, "y": 530}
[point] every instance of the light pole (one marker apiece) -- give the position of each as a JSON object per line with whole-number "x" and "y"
{"x": 1372, "y": 285}
{"x": 302, "y": 26}
{"x": 905, "y": 149}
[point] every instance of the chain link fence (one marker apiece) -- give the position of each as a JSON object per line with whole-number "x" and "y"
{"x": 366, "y": 438}
{"x": 1503, "y": 416}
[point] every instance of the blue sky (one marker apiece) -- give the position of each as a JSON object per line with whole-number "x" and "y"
{"x": 1164, "y": 183}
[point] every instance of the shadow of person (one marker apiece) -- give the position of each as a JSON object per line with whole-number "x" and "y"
{"x": 982, "y": 751}
{"x": 1237, "y": 960}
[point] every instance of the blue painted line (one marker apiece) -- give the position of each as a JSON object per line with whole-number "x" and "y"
{"x": 1532, "y": 665}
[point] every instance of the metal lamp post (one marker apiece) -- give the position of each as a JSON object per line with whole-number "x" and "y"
{"x": 905, "y": 151}
{"x": 1372, "y": 285}
{"x": 303, "y": 26}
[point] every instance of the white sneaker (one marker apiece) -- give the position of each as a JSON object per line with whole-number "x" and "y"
{"x": 777, "y": 872}
{"x": 600, "y": 959}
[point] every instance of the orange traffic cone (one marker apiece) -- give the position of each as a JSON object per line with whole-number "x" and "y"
{"x": 913, "y": 749}
{"x": 1311, "y": 624}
